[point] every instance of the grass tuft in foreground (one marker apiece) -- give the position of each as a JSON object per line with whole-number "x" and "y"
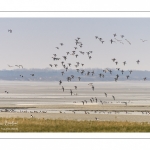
{"x": 47, "y": 125}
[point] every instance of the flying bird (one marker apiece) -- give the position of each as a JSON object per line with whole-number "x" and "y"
{"x": 10, "y": 30}
{"x": 113, "y": 97}
{"x": 113, "y": 59}
{"x": 137, "y": 61}
{"x": 63, "y": 88}
{"x": 71, "y": 91}
{"x": 60, "y": 82}
{"x": 124, "y": 63}
{"x": 143, "y": 40}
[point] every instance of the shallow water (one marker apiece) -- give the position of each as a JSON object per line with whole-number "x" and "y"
{"x": 51, "y": 92}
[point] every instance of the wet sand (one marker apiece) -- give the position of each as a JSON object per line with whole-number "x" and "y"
{"x": 118, "y": 112}
{"x": 47, "y": 100}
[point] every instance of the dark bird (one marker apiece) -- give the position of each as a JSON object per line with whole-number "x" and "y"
{"x": 67, "y": 53}
{"x": 122, "y": 36}
{"x": 130, "y": 71}
{"x": 96, "y": 118}
{"x": 116, "y": 79}
{"x": 51, "y": 65}
{"x": 122, "y": 71}
{"x": 63, "y": 88}
{"x": 60, "y": 82}
{"x": 117, "y": 76}
{"x": 61, "y": 44}
{"x": 111, "y": 41}
{"x": 90, "y": 57}
{"x": 64, "y": 57}
{"x": 100, "y": 39}
{"x": 105, "y": 94}
{"x": 116, "y": 62}
{"x": 79, "y": 78}
{"x": 82, "y": 64}
{"x": 10, "y": 30}
{"x": 113, "y": 97}
{"x": 96, "y": 37}
{"x": 113, "y": 59}
{"x": 83, "y": 102}
{"x": 57, "y": 47}
{"x": 32, "y": 74}
{"x": 62, "y": 73}
{"x": 96, "y": 99}
{"x": 124, "y": 62}
{"x": 66, "y": 68}
{"x": 127, "y": 76}
{"x": 137, "y": 61}
{"x": 55, "y": 65}
{"x": 75, "y": 48}
{"x": 115, "y": 34}
{"x": 21, "y": 76}
{"x": 75, "y": 87}
{"x": 69, "y": 64}
{"x": 92, "y": 87}
{"x": 71, "y": 91}
{"x": 118, "y": 69}
{"x": 144, "y": 78}
{"x": 76, "y": 55}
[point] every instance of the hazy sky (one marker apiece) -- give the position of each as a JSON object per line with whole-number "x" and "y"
{"x": 32, "y": 42}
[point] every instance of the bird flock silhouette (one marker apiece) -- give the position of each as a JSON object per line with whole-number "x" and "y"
{"x": 75, "y": 52}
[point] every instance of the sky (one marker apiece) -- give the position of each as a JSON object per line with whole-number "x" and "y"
{"x": 33, "y": 42}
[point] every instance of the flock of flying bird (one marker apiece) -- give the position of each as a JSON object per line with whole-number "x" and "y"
{"x": 79, "y": 45}
{"x": 75, "y": 52}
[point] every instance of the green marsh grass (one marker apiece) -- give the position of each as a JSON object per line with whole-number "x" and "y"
{"x": 48, "y": 125}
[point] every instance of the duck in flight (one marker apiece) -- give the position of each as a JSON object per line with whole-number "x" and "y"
{"x": 71, "y": 91}
{"x": 113, "y": 97}
{"x": 137, "y": 61}
{"x": 60, "y": 82}
{"x": 130, "y": 71}
{"x": 124, "y": 63}
{"x": 10, "y": 30}
{"x": 111, "y": 41}
{"x": 113, "y": 59}
{"x": 63, "y": 88}
{"x": 92, "y": 87}
{"x": 105, "y": 94}
{"x": 115, "y": 34}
